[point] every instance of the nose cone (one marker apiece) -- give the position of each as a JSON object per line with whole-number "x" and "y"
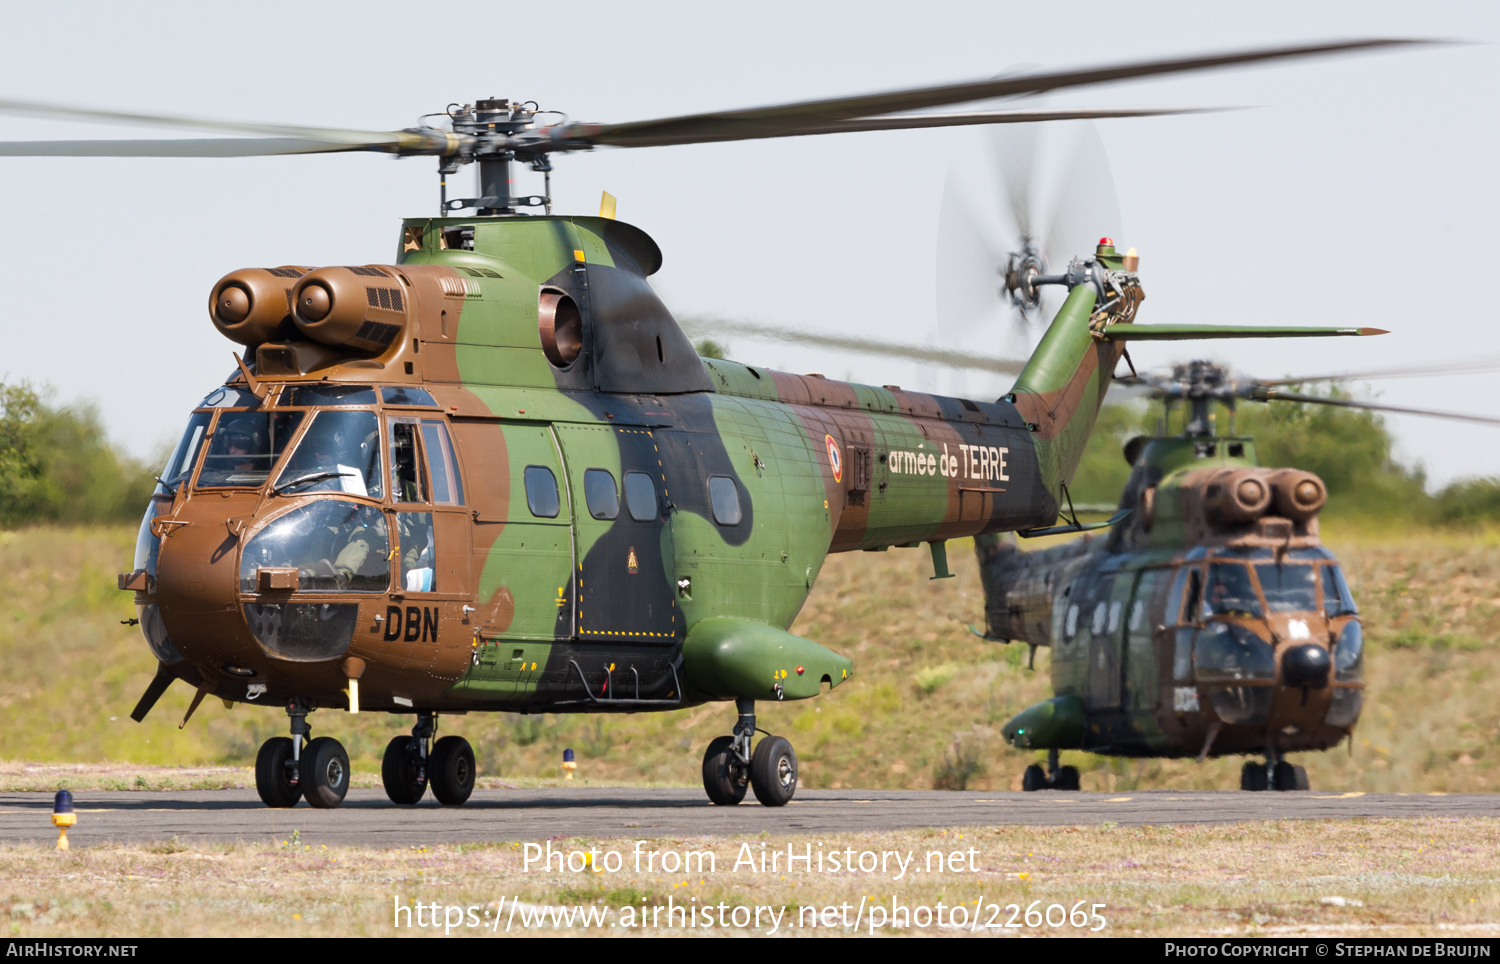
{"x": 1306, "y": 665}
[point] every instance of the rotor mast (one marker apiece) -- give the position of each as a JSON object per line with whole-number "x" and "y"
{"x": 493, "y": 124}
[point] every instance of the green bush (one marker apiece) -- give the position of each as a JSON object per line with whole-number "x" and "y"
{"x": 57, "y": 466}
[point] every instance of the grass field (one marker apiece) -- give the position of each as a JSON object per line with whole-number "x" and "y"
{"x": 1434, "y": 878}
{"x": 924, "y": 709}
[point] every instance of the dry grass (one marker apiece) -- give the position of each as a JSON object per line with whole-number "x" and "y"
{"x": 924, "y": 709}
{"x": 1433, "y": 878}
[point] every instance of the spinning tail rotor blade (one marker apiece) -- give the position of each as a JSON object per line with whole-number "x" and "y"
{"x": 1087, "y": 207}
{"x": 970, "y": 266}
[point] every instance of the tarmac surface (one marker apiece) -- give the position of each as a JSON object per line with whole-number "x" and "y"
{"x": 367, "y": 818}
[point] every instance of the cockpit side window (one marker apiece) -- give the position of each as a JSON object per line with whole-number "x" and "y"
{"x": 408, "y": 481}
{"x": 180, "y": 465}
{"x": 339, "y": 452}
{"x": 1337, "y": 600}
{"x": 447, "y": 488}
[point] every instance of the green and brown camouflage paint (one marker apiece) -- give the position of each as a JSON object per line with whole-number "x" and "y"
{"x": 568, "y": 611}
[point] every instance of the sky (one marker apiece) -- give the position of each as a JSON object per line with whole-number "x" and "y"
{"x": 1350, "y": 191}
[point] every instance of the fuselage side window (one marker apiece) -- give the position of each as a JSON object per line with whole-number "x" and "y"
{"x": 541, "y": 492}
{"x": 640, "y": 496}
{"x": 724, "y": 497}
{"x": 601, "y": 494}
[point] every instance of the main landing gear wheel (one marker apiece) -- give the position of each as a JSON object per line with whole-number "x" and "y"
{"x": 402, "y": 772}
{"x": 1288, "y": 777}
{"x": 1253, "y": 776}
{"x": 450, "y": 770}
{"x": 773, "y": 772}
{"x": 724, "y": 777}
{"x": 272, "y": 781}
{"x": 325, "y": 773}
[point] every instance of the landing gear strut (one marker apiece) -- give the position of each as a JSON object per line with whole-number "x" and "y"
{"x": 289, "y": 768}
{"x": 403, "y": 769}
{"x": 1274, "y": 774}
{"x": 730, "y": 768}
{"x": 409, "y": 766}
{"x": 1053, "y": 778}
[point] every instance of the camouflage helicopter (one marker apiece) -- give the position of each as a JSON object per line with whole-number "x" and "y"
{"x": 495, "y": 475}
{"x": 1211, "y": 621}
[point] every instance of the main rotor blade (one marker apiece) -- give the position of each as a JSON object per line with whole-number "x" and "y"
{"x": 1478, "y": 366}
{"x": 186, "y": 147}
{"x": 818, "y": 116}
{"x": 31, "y": 108}
{"x": 909, "y": 122}
{"x": 1272, "y": 395}
{"x": 864, "y": 346}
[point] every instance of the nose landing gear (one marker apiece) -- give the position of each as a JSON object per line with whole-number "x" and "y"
{"x": 730, "y": 768}
{"x": 1053, "y": 778}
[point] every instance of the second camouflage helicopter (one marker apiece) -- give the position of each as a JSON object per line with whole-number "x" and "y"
{"x": 1212, "y": 621}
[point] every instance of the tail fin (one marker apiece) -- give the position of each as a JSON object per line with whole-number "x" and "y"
{"x": 1062, "y": 387}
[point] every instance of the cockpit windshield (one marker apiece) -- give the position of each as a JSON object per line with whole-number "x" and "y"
{"x": 1230, "y": 591}
{"x": 339, "y": 453}
{"x": 328, "y": 394}
{"x": 1289, "y": 588}
{"x": 245, "y": 446}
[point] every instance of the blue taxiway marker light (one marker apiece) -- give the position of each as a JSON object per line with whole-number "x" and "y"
{"x": 63, "y": 817}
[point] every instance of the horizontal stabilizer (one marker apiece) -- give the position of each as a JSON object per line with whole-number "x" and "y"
{"x": 1196, "y": 332}
{"x": 1074, "y": 526}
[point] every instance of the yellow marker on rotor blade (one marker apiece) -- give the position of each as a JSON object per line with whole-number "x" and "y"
{"x": 606, "y": 207}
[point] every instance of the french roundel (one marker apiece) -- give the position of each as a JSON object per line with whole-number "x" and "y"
{"x": 835, "y": 460}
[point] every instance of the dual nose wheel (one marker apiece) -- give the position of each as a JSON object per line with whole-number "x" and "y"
{"x": 771, "y": 773}
{"x": 730, "y": 768}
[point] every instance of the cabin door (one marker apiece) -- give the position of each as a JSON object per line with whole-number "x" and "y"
{"x": 1105, "y": 638}
{"x": 623, "y": 590}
